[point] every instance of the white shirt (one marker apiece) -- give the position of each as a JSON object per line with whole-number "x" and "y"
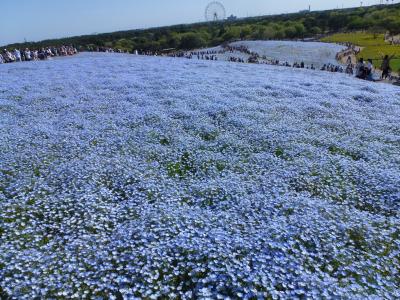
{"x": 17, "y": 54}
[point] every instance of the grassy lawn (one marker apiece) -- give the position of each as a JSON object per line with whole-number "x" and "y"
{"x": 373, "y": 46}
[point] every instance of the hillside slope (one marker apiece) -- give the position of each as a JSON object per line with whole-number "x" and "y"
{"x": 142, "y": 176}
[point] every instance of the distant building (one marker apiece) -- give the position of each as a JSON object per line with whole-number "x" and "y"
{"x": 232, "y": 18}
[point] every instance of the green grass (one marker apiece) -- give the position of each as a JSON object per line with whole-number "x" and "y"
{"x": 373, "y": 46}
{"x": 181, "y": 168}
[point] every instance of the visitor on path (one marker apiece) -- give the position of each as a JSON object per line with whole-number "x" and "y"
{"x": 23, "y": 55}
{"x": 397, "y": 80}
{"x": 42, "y": 54}
{"x": 48, "y": 53}
{"x": 349, "y": 69}
{"x": 360, "y": 69}
{"x": 17, "y": 55}
{"x": 7, "y": 56}
{"x": 386, "y": 65}
{"x": 35, "y": 55}
{"x": 369, "y": 70}
{"x": 27, "y": 54}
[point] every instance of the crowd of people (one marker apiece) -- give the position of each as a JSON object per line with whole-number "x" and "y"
{"x": 365, "y": 69}
{"x": 362, "y": 69}
{"x": 18, "y": 55}
{"x": 252, "y": 57}
{"x": 204, "y": 55}
{"x": 105, "y": 50}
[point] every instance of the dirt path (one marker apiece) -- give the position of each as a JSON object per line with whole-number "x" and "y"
{"x": 343, "y": 55}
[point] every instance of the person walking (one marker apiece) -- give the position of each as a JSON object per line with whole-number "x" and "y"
{"x": 28, "y": 56}
{"x": 8, "y": 57}
{"x": 386, "y": 65}
{"x": 360, "y": 69}
{"x": 370, "y": 70}
{"x": 17, "y": 55}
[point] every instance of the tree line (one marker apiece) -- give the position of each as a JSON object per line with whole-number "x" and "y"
{"x": 380, "y": 18}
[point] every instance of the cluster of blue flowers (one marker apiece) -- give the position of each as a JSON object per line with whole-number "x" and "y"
{"x": 131, "y": 177}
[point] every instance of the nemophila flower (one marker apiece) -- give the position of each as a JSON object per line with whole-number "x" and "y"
{"x": 167, "y": 178}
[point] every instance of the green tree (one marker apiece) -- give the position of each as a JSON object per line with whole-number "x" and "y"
{"x": 280, "y": 34}
{"x": 245, "y": 31}
{"x": 269, "y": 33}
{"x": 315, "y": 30}
{"x": 356, "y": 23}
{"x": 232, "y": 33}
{"x": 290, "y": 32}
{"x": 173, "y": 41}
{"x": 191, "y": 40}
{"x": 300, "y": 29}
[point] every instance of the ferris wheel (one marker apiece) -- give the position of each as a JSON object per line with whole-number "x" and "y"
{"x": 215, "y": 11}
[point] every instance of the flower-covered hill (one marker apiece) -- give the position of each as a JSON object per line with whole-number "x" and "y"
{"x": 143, "y": 177}
{"x": 310, "y": 53}
{"x": 315, "y": 53}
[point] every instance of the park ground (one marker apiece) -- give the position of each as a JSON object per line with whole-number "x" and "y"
{"x": 373, "y": 46}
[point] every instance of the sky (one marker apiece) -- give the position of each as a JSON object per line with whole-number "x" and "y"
{"x": 36, "y": 20}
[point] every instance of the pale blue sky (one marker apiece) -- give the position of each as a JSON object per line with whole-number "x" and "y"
{"x": 42, "y": 19}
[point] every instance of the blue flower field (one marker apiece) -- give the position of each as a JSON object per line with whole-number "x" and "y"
{"x": 129, "y": 177}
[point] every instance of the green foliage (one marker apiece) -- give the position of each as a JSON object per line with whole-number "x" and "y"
{"x": 339, "y": 151}
{"x": 357, "y": 238}
{"x": 209, "y": 136}
{"x": 124, "y": 44}
{"x": 3, "y": 294}
{"x": 191, "y": 40}
{"x": 165, "y": 141}
{"x": 290, "y": 32}
{"x": 181, "y": 168}
{"x": 173, "y": 41}
{"x": 245, "y": 31}
{"x": 233, "y": 33}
